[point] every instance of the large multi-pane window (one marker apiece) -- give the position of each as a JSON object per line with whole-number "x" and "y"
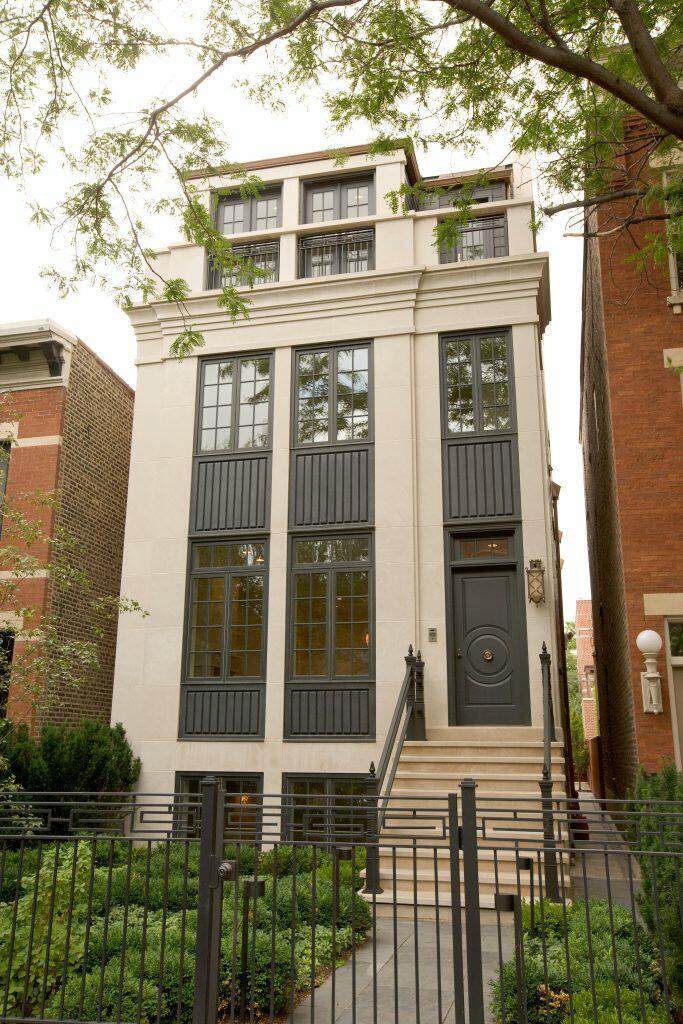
{"x": 236, "y": 214}
{"x": 331, "y": 603}
{"x": 477, "y": 384}
{"x": 327, "y": 807}
{"x": 332, "y": 394}
{"x": 338, "y": 200}
{"x": 226, "y": 622}
{"x": 234, "y": 403}
{"x": 241, "y": 798}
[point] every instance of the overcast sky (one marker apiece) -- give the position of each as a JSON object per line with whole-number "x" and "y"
{"x": 256, "y": 133}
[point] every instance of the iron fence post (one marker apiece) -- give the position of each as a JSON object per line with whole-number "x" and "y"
{"x": 372, "y": 885}
{"x": 416, "y": 726}
{"x": 475, "y": 980}
{"x": 209, "y": 897}
{"x": 456, "y": 909}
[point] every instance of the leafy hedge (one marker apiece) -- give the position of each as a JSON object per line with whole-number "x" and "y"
{"x": 661, "y": 894}
{"x": 129, "y": 947}
{"x": 591, "y": 979}
{"x": 91, "y": 757}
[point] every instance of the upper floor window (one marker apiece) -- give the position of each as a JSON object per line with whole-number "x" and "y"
{"x": 332, "y": 394}
{"x": 226, "y": 629}
{"x": 331, "y": 605}
{"x": 264, "y": 257}
{"x": 494, "y": 192}
{"x": 235, "y": 214}
{"x": 234, "y": 403}
{"x": 337, "y": 252}
{"x": 476, "y": 379}
{"x": 481, "y": 239}
{"x": 338, "y": 200}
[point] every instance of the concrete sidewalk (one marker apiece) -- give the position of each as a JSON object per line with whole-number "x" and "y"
{"x": 396, "y": 993}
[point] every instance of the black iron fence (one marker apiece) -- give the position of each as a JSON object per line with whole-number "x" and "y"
{"x": 162, "y": 908}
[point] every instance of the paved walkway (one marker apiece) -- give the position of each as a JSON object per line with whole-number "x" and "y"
{"x": 396, "y": 994}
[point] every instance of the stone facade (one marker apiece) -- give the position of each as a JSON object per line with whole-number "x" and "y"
{"x": 400, "y": 306}
{"x": 71, "y": 426}
{"x": 631, "y": 423}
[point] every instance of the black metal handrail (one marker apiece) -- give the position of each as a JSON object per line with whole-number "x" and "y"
{"x": 407, "y": 722}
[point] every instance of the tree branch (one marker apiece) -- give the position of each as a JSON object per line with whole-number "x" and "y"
{"x": 574, "y": 64}
{"x": 607, "y": 197}
{"x": 644, "y": 50}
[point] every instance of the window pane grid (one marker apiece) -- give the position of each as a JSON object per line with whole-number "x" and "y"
{"x": 331, "y": 633}
{"x": 235, "y": 390}
{"x": 352, "y": 624}
{"x": 216, "y": 399}
{"x": 310, "y": 624}
{"x": 206, "y": 628}
{"x": 254, "y": 401}
{"x": 227, "y": 611}
{"x": 477, "y": 384}
{"x": 313, "y": 397}
{"x": 495, "y": 398}
{"x": 246, "y": 624}
{"x": 459, "y": 390}
{"x": 344, "y": 374}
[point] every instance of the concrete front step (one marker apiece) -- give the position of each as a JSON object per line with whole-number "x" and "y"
{"x": 487, "y": 782}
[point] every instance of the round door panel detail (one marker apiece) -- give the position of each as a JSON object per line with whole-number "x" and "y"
{"x": 488, "y": 655}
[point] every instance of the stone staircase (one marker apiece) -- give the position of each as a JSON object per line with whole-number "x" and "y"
{"x": 506, "y": 764}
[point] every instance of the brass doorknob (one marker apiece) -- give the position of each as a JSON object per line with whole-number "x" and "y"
{"x": 487, "y": 655}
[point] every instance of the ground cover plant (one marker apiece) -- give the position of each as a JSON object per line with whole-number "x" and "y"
{"x": 102, "y": 930}
{"x": 584, "y": 964}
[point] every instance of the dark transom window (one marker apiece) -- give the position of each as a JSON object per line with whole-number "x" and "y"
{"x": 234, "y": 402}
{"x": 477, "y": 385}
{"x": 226, "y": 629}
{"x": 331, "y": 608}
{"x": 235, "y": 214}
{"x": 325, "y": 807}
{"x": 332, "y": 391}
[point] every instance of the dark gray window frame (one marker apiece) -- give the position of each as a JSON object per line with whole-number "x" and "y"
{"x": 496, "y": 245}
{"x": 481, "y": 194}
{"x": 270, "y": 191}
{"x": 238, "y": 358}
{"x": 293, "y": 571}
{"x": 478, "y": 432}
{"x": 225, "y": 680}
{"x": 340, "y": 186}
{"x": 240, "y": 777}
{"x": 332, "y": 412}
{"x": 515, "y": 558}
{"x": 326, "y": 777}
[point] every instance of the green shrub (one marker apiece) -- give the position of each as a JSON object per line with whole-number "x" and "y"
{"x": 89, "y": 758}
{"x": 590, "y": 954}
{"x": 132, "y": 949}
{"x": 662, "y": 877}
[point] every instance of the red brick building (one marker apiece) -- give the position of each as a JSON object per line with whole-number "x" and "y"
{"x": 65, "y": 425}
{"x": 631, "y": 431}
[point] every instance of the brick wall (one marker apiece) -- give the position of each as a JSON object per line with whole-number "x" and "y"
{"x": 632, "y": 421}
{"x": 93, "y": 484}
{"x": 37, "y": 413}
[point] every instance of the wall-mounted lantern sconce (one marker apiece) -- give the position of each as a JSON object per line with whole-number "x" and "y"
{"x": 535, "y": 581}
{"x": 649, "y": 644}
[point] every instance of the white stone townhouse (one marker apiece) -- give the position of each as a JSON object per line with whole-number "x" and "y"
{"x": 360, "y": 464}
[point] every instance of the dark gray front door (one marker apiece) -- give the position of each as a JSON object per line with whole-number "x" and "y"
{"x": 489, "y": 677}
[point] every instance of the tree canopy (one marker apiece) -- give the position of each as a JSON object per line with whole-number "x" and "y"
{"x": 558, "y": 78}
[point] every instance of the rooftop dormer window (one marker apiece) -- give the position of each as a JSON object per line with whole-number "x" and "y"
{"x": 236, "y": 214}
{"x": 341, "y": 199}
